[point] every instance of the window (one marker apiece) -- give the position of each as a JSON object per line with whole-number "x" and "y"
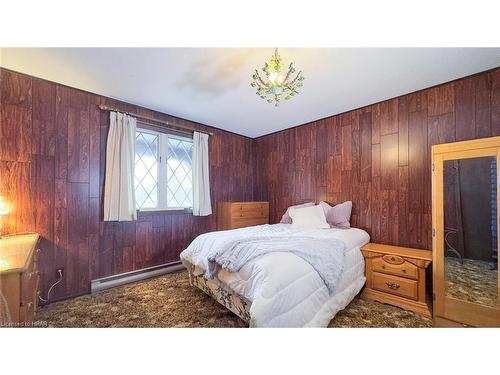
{"x": 163, "y": 171}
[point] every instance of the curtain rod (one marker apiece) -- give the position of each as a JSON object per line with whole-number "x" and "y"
{"x": 145, "y": 118}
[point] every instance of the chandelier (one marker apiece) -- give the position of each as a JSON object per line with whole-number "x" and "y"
{"x": 276, "y": 82}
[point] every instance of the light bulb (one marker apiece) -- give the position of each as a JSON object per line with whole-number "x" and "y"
{"x": 276, "y": 78}
{"x": 4, "y": 208}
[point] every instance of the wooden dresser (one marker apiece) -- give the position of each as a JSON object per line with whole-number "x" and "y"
{"x": 396, "y": 275}
{"x": 232, "y": 215}
{"x": 19, "y": 279}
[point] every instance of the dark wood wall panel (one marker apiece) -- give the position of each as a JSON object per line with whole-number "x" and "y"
{"x": 52, "y": 160}
{"x": 378, "y": 156}
{"x": 495, "y": 102}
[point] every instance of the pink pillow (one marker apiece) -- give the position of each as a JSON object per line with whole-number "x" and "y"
{"x": 286, "y": 219}
{"x": 338, "y": 216}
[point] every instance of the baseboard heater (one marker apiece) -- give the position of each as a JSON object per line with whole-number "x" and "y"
{"x": 133, "y": 276}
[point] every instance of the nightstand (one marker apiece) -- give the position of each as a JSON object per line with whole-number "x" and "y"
{"x": 396, "y": 275}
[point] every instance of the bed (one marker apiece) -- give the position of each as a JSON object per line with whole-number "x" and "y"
{"x": 279, "y": 288}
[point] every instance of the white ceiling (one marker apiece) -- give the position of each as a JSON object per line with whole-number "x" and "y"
{"x": 212, "y": 85}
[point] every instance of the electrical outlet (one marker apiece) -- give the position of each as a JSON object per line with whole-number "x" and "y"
{"x": 59, "y": 272}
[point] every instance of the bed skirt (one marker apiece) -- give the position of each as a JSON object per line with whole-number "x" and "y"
{"x": 219, "y": 292}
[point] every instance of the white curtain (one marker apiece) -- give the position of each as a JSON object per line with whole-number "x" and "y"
{"x": 201, "y": 180}
{"x": 119, "y": 194}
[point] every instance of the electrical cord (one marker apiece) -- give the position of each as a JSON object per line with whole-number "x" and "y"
{"x": 50, "y": 289}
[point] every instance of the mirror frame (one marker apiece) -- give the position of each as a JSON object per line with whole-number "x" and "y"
{"x": 447, "y": 307}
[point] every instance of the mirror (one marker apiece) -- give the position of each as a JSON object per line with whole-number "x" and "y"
{"x": 470, "y": 221}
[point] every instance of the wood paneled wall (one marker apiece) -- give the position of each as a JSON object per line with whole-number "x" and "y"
{"x": 52, "y": 155}
{"x": 377, "y": 156}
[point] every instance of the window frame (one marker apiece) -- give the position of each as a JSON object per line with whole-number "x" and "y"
{"x": 162, "y": 170}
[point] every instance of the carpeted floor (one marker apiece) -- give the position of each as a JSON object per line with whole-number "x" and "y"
{"x": 472, "y": 281}
{"x": 169, "y": 301}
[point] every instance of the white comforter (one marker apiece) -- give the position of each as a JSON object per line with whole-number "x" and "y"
{"x": 284, "y": 289}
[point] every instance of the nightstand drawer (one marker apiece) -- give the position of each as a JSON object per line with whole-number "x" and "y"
{"x": 395, "y": 265}
{"x": 395, "y": 285}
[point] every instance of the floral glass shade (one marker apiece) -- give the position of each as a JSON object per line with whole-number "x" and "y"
{"x": 277, "y": 82}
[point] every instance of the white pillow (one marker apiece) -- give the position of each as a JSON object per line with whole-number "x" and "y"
{"x": 309, "y": 217}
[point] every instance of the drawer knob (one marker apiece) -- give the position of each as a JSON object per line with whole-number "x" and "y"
{"x": 392, "y": 285}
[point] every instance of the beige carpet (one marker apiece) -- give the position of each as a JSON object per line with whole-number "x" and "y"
{"x": 169, "y": 301}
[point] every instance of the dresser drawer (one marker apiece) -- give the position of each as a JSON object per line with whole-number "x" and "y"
{"x": 395, "y": 265}
{"x": 232, "y": 215}
{"x": 29, "y": 295}
{"x": 248, "y": 222}
{"x": 20, "y": 283}
{"x": 27, "y": 313}
{"x": 249, "y": 214}
{"x": 395, "y": 285}
{"x": 29, "y": 281}
{"x": 249, "y": 210}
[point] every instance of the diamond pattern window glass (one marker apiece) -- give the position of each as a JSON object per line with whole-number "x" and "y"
{"x": 163, "y": 171}
{"x": 146, "y": 169}
{"x": 179, "y": 173}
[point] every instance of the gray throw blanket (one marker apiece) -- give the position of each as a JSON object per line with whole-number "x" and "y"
{"x": 326, "y": 256}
